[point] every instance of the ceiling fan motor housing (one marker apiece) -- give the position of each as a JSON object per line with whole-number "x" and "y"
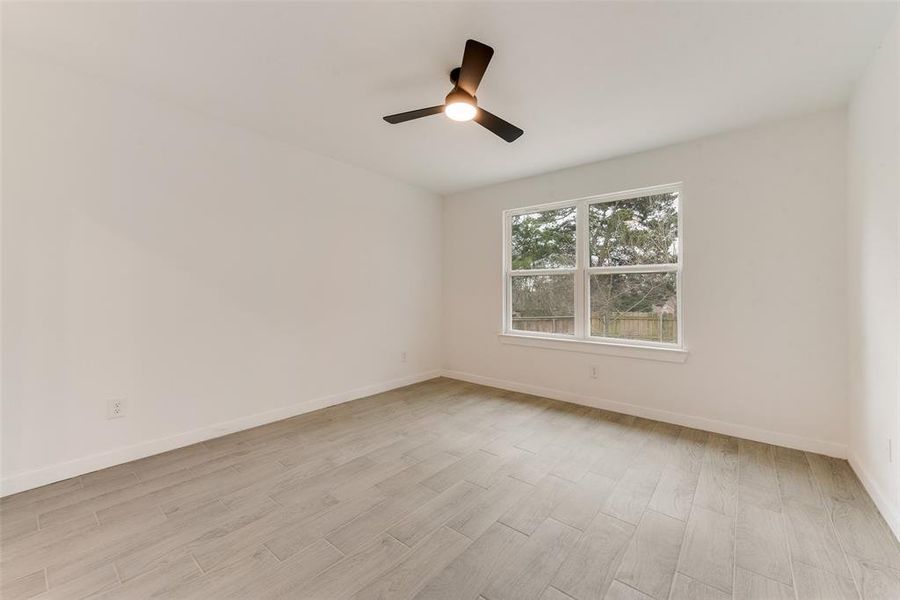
{"x": 458, "y": 95}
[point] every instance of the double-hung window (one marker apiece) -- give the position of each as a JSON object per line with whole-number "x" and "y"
{"x": 599, "y": 269}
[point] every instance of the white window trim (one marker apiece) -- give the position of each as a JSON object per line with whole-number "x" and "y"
{"x": 582, "y": 341}
{"x": 570, "y": 344}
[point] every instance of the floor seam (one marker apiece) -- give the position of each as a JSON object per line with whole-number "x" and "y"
{"x": 194, "y": 558}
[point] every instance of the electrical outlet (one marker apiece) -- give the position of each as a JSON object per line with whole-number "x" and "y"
{"x": 403, "y": 357}
{"x": 116, "y": 408}
{"x": 593, "y": 372}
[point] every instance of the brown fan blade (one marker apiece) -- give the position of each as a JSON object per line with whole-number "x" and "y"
{"x": 475, "y": 62}
{"x": 414, "y": 114}
{"x": 495, "y": 124}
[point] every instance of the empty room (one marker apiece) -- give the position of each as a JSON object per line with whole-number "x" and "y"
{"x": 450, "y": 300}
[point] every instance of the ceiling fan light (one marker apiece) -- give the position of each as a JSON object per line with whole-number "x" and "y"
{"x": 460, "y": 111}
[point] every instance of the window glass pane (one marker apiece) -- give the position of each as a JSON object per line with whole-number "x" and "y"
{"x": 544, "y": 303}
{"x": 544, "y": 240}
{"x": 636, "y": 231}
{"x": 634, "y": 306}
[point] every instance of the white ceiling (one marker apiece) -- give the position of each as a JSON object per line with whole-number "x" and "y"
{"x": 586, "y": 81}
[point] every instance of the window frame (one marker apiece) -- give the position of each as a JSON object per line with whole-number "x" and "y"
{"x": 583, "y": 271}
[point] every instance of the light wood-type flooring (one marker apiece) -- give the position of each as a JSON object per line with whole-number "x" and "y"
{"x": 455, "y": 491}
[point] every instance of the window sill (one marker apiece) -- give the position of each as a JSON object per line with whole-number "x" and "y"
{"x": 674, "y": 355}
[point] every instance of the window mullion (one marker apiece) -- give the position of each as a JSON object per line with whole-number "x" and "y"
{"x": 537, "y": 272}
{"x": 581, "y": 262}
{"x": 507, "y": 269}
{"x": 663, "y": 268}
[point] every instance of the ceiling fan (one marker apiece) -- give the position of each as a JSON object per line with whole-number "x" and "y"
{"x": 461, "y": 103}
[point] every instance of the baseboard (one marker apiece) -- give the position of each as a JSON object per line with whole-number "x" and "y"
{"x": 742, "y": 431}
{"x": 19, "y": 482}
{"x": 27, "y": 480}
{"x": 889, "y": 510}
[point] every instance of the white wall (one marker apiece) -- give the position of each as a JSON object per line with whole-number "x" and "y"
{"x": 874, "y": 267}
{"x": 213, "y": 277}
{"x": 764, "y": 287}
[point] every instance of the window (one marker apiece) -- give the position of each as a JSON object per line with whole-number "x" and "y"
{"x": 600, "y": 269}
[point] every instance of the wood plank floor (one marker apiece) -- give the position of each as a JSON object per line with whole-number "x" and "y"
{"x": 451, "y": 490}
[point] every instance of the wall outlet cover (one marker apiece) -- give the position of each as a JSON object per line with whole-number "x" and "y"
{"x": 116, "y": 408}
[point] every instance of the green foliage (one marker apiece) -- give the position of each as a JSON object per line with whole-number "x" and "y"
{"x": 627, "y": 298}
{"x": 544, "y": 240}
{"x": 543, "y": 296}
{"x": 636, "y": 231}
{"x": 632, "y": 292}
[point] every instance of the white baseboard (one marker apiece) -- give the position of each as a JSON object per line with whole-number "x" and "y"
{"x": 889, "y": 510}
{"x": 19, "y": 482}
{"x": 27, "y": 480}
{"x": 742, "y": 431}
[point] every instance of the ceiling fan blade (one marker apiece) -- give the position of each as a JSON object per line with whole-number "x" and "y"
{"x": 414, "y": 114}
{"x": 495, "y": 124}
{"x": 475, "y": 62}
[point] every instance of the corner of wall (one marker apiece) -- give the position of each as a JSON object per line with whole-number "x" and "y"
{"x": 873, "y": 249}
